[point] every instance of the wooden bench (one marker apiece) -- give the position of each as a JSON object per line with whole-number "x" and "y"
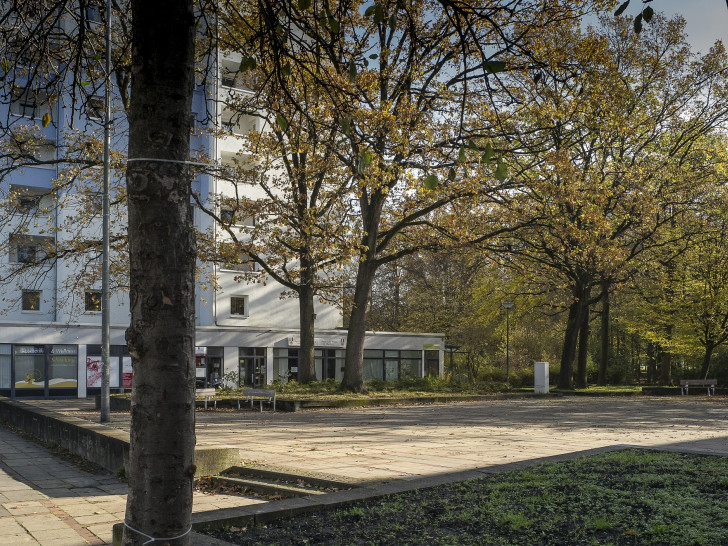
{"x": 259, "y": 395}
{"x": 709, "y": 384}
{"x": 208, "y": 394}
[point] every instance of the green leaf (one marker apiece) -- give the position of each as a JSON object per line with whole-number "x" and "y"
{"x": 352, "y": 71}
{"x": 647, "y": 14}
{"x": 364, "y": 161}
{"x": 451, "y": 174}
{"x": 46, "y": 120}
{"x": 501, "y": 171}
{"x": 472, "y": 144}
{"x": 488, "y": 153}
{"x": 304, "y": 4}
{"x": 369, "y": 11}
{"x": 281, "y": 122}
{"x": 620, "y": 9}
{"x": 248, "y": 63}
{"x": 392, "y": 23}
{"x": 286, "y": 69}
{"x": 334, "y": 25}
{"x": 5, "y": 65}
{"x": 494, "y": 67}
{"x": 431, "y": 182}
{"x": 378, "y": 14}
{"x": 638, "y": 23}
{"x": 373, "y": 56}
{"x": 279, "y": 30}
{"x": 461, "y": 155}
{"x": 346, "y": 126}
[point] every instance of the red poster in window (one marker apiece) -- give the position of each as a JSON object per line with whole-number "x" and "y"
{"x": 93, "y": 371}
{"x": 126, "y": 372}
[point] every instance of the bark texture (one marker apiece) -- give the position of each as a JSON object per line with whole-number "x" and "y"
{"x": 604, "y": 343}
{"x": 161, "y": 337}
{"x": 354, "y": 367}
{"x": 705, "y": 368}
{"x": 307, "y": 361}
{"x": 581, "y": 372}
{"x": 666, "y": 361}
{"x": 571, "y": 336}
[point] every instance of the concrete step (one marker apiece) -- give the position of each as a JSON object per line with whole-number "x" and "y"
{"x": 267, "y": 488}
{"x": 319, "y": 482}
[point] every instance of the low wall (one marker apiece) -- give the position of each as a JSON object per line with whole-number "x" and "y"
{"x": 104, "y": 446}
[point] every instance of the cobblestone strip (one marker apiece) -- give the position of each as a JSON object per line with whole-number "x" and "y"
{"x": 61, "y": 514}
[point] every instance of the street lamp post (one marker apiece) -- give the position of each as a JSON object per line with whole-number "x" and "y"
{"x": 508, "y": 305}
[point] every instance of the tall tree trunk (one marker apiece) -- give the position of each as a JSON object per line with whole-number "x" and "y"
{"x": 705, "y": 368}
{"x": 666, "y": 361}
{"x": 568, "y": 352}
{"x": 581, "y": 375}
{"x": 604, "y": 345}
{"x": 651, "y": 363}
{"x": 307, "y": 359}
{"x": 353, "y": 379}
{"x": 161, "y": 337}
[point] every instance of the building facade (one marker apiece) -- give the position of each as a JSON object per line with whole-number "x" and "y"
{"x": 50, "y": 324}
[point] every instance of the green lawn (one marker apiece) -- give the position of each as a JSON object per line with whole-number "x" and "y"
{"x": 624, "y": 497}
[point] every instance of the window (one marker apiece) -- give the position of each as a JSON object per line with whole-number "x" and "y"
{"x": 31, "y": 300}
{"x": 93, "y": 14}
{"x": 92, "y": 301}
{"x": 27, "y": 199}
{"x": 239, "y": 306}
{"x": 45, "y": 151}
{"x": 95, "y": 202}
{"x": 33, "y": 151}
{"x": 227, "y": 216}
{"x": 30, "y": 103}
{"x": 236, "y": 123}
{"x": 29, "y": 249}
{"x": 95, "y": 107}
{"x": 230, "y": 75}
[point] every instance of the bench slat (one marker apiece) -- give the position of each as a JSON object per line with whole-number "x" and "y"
{"x": 259, "y": 395}
{"x": 685, "y": 385}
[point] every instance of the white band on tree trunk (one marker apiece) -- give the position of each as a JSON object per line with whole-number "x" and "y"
{"x": 152, "y": 539}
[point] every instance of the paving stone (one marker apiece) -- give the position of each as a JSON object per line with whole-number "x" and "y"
{"x": 420, "y": 445}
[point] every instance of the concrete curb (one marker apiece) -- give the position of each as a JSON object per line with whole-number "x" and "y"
{"x": 99, "y": 444}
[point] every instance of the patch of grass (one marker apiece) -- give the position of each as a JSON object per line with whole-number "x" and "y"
{"x": 624, "y": 497}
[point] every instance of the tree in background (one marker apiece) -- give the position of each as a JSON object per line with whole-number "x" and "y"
{"x": 606, "y": 130}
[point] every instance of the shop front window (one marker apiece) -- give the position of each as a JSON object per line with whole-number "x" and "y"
{"x": 285, "y": 364}
{"x": 63, "y": 367}
{"x": 6, "y": 361}
{"x": 29, "y": 366}
{"x": 251, "y": 366}
{"x": 373, "y": 365}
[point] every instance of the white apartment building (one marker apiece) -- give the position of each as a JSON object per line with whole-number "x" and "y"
{"x": 50, "y": 320}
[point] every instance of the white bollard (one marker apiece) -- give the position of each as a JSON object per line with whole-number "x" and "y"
{"x": 541, "y": 377}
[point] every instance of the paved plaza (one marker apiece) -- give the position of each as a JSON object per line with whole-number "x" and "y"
{"x": 45, "y": 500}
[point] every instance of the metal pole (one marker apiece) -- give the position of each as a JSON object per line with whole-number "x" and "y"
{"x": 105, "y": 307}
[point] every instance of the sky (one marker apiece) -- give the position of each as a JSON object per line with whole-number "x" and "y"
{"x": 706, "y": 20}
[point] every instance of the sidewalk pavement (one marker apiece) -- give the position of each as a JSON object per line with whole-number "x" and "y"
{"x": 45, "y": 500}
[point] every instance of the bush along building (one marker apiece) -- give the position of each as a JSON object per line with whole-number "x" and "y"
{"x": 50, "y": 243}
